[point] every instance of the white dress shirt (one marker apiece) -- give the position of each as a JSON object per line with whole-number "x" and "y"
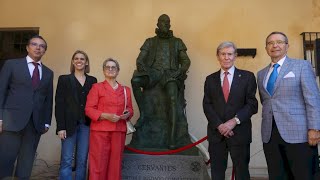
{"x": 280, "y": 62}
{"x": 230, "y": 76}
{"x": 31, "y": 66}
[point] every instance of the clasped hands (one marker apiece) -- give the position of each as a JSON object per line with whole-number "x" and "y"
{"x": 114, "y": 117}
{"x": 226, "y": 128}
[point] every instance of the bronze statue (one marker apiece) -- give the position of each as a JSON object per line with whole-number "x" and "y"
{"x": 158, "y": 87}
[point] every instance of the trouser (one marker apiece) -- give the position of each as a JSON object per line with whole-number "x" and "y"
{"x": 105, "y": 154}
{"x": 287, "y": 161}
{"x": 79, "y": 141}
{"x": 20, "y": 146}
{"x": 240, "y": 156}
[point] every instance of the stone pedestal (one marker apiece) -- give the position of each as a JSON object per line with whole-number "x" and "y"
{"x": 164, "y": 167}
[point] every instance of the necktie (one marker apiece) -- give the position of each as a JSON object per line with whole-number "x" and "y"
{"x": 225, "y": 86}
{"x": 272, "y": 79}
{"x": 35, "y": 76}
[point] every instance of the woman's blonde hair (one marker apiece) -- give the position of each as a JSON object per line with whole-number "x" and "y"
{"x": 87, "y": 66}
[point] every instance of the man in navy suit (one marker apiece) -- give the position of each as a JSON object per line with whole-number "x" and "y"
{"x": 26, "y": 92}
{"x": 229, "y": 102}
{"x": 290, "y": 102}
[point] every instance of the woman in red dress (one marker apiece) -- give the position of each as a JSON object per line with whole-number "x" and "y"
{"x": 106, "y": 108}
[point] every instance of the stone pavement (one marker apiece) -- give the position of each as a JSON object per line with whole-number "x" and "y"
{"x": 44, "y": 171}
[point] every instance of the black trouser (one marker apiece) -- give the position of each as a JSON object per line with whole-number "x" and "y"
{"x": 20, "y": 146}
{"x": 240, "y": 156}
{"x": 290, "y": 161}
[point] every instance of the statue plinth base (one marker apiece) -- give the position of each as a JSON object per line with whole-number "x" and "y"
{"x": 164, "y": 167}
{"x": 193, "y": 151}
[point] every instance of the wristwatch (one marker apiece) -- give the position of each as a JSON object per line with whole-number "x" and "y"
{"x": 237, "y": 119}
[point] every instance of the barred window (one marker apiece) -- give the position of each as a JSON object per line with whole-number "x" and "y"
{"x": 13, "y": 42}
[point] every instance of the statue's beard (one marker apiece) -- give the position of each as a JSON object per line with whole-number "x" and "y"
{"x": 162, "y": 34}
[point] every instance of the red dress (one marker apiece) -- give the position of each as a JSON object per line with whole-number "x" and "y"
{"x": 107, "y": 138}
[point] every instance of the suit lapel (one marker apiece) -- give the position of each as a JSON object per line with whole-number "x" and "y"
{"x": 217, "y": 85}
{"x": 263, "y": 78}
{"x": 283, "y": 71}
{"x": 108, "y": 87}
{"x": 45, "y": 76}
{"x": 73, "y": 87}
{"x": 25, "y": 71}
{"x": 235, "y": 83}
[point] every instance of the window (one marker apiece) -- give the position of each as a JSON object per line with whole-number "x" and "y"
{"x": 309, "y": 45}
{"x": 13, "y": 42}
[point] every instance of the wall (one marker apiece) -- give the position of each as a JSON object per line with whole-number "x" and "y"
{"x": 113, "y": 28}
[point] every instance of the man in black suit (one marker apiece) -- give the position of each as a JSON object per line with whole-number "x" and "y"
{"x": 229, "y": 102}
{"x": 25, "y": 108}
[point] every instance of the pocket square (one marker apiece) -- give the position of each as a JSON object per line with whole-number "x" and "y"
{"x": 289, "y": 75}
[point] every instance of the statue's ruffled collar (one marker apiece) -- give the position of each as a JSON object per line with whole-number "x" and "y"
{"x": 164, "y": 35}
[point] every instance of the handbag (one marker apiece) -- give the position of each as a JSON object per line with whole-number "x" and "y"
{"x": 130, "y": 127}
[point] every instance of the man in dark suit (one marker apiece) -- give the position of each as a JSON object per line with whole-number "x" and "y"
{"x": 25, "y": 108}
{"x": 229, "y": 102}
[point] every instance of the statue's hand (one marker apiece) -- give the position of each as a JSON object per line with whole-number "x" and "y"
{"x": 176, "y": 74}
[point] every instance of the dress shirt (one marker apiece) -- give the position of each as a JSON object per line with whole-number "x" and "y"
{"x": 280, "y": 62}
{"x": 230, "y": 76}
{"x": 31, "y": 66}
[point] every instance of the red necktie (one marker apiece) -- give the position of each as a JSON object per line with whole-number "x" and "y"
{"x": 35, "y": 76}
{"x": 225, "y": 86}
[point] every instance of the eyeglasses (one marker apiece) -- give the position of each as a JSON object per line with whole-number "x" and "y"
{"x": 279, "y": 42}
{"x": 111, "y": 68}
{"x": 42, "y": 46}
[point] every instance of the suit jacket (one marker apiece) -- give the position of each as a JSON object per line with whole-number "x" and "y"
{"x": 241, "y": 102}
{"x": 295, "y": 103}
{"x": 68, "y": 107}
{"x": 102, "y": 98}
{"x": 18, "y": 99}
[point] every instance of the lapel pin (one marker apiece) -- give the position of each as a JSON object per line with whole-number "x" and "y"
{"x": 239, "y": 75}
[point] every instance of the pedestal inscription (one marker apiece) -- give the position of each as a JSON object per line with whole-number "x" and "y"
{"x": 164, "y": 167}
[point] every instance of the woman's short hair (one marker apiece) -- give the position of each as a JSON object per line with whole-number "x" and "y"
{"x": 113, "y": 60}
